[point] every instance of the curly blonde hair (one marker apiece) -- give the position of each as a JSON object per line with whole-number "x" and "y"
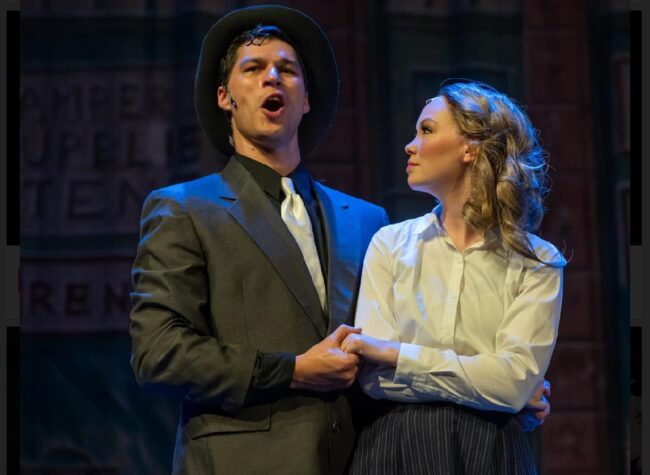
{"x": 509, "y": 175}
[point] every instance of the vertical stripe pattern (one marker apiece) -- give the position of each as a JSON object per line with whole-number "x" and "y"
{"x": 442, "y": 439}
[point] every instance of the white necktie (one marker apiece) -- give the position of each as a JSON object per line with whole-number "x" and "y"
{"x": 294, "y": 214}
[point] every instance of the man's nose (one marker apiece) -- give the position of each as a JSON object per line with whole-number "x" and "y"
{"x": 272, "y": 77}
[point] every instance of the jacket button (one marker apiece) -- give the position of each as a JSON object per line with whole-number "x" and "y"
{"x": 336, "y": 427}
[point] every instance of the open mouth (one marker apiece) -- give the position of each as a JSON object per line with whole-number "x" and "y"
{"x": 273, "y": 103}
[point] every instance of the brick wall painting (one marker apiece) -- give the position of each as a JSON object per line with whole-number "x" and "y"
{"x": 106, "y": 116}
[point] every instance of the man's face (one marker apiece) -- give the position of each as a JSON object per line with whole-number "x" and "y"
{"x": 265, "y": 96}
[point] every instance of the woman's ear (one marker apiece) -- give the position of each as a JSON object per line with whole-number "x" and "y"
{"x": 471, "y": 151}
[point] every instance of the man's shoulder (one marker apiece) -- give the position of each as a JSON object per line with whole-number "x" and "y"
{"x": 208, "y": 193}
{"x": 189, "y": 189}
{"x": 352, "y": 201}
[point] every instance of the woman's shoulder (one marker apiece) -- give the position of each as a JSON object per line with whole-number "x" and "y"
{"x": 398, "y": 232}
{"x": 545, "y": 251}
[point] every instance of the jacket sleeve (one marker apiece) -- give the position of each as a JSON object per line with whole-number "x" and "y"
{"x": 173, "y": 347}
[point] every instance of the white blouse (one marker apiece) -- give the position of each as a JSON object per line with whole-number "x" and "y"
{"x": 476, "y": 327}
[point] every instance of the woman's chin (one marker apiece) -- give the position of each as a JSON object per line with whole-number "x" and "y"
{"x": 411, "y": 182}
{"x": 416, "y": 185}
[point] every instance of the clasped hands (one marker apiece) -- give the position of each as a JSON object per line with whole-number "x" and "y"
{"x": 334, "y": 362}
{"x": 326, "y": 366}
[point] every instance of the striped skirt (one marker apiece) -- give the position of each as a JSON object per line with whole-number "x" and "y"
{"x": 441, "y": 439}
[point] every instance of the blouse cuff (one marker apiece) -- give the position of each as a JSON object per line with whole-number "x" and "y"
{"x": 408, "y": 370}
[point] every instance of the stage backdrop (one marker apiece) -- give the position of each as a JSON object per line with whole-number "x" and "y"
{"x": 107, "y": 116}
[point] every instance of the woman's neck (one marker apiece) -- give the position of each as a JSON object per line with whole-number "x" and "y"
{"x": 461, "y": 233}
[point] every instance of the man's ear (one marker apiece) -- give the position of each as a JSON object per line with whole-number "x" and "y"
{"x": 223, "y": 99}
{"x": 306, "y": 107}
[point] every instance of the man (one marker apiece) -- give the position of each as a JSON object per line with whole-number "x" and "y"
{"x": 242, "y": 288}
{"x": 230, "y": 312}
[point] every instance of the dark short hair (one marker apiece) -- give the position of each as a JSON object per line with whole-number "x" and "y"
{"x": 256, "y": 36}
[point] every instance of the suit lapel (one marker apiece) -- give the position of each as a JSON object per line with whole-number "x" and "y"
{"x": 261, "y": 221}
{"x": 342, "y": 237}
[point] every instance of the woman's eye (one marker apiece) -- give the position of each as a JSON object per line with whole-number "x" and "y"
{"x": 426, "y": 130}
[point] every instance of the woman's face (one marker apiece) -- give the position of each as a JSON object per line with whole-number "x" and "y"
{"x": 438, "y": 154}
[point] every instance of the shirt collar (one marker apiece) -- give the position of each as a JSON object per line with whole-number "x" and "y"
{"x": 302, "y": 181}
{"x": 269, "y": 180}
{"x": 433, "y": 221}
{"x": 429, "y": 220}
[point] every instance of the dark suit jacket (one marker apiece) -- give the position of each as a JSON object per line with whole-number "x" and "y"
{"x": 217, "y": 278}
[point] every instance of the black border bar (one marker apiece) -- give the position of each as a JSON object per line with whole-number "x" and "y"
{"x": 13, "y": 128}
{"x": 636, "y": 197}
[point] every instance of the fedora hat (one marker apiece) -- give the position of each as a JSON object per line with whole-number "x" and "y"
{"x": 313, "y": 48}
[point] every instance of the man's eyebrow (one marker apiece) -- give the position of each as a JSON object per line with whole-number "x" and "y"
{"x": 258, "y": 60}
{"x": 251, "y": 59}
{"x": 288, "y": 61}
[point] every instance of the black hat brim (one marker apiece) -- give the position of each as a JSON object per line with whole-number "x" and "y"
{"x": 314, "y": 49}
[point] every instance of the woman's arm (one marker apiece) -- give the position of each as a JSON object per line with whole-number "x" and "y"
{"x": 502, "y": 380}
{"x": 374, "y": 314}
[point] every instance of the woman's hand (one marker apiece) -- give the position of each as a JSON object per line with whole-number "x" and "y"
{"x": 372, "y": 349}
{"x": 537, "y": 408}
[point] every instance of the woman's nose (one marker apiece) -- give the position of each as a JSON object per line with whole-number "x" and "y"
{"x": 410, "y": 148}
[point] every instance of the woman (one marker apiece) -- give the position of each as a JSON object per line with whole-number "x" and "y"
{"x": 460, "y": 307}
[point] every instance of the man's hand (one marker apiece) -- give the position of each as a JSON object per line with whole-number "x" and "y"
{"x": 537, "y": 408}
{"x": 325, "y": 366}
{"x": 371, "y": 349}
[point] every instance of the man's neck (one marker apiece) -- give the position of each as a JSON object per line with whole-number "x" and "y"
{"x": 283, "y": 160}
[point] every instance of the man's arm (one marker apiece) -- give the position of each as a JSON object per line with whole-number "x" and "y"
{"x": 173, "y": 347}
